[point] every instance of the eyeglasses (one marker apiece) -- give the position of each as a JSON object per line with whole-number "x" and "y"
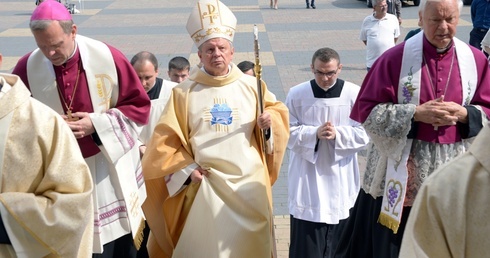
{"x": 328, "y": 74}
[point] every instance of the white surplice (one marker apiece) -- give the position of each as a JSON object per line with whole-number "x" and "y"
{"x": 323, "y": 174}
{"x": 157, "y": 106}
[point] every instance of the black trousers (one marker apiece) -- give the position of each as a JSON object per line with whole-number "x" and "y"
{"x": 364, "y": 237}
{"x": 313, "y": 239}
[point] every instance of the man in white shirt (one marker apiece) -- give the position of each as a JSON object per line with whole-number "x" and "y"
{"x": 379, "y": 32}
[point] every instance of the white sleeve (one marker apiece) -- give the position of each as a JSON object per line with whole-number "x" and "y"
{"x": 175, "y": 182}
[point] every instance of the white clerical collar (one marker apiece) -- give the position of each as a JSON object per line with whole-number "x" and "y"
{"x": 74, "y": 51}
{"x": 444, "y": 50}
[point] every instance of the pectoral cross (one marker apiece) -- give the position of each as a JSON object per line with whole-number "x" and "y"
{"x": 70, "y": 116}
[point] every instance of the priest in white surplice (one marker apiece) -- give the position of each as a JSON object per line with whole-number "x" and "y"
{"x": 46, "y": 188}
{"x": 146, "y": 66}
{"x": 323, "y": 167}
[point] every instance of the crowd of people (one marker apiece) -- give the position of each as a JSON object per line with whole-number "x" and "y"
{"x": 124, "y": 163}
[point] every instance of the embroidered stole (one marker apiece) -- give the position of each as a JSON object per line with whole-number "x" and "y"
{"x": 104, "y": 93}
{"x": 409, "y": 93}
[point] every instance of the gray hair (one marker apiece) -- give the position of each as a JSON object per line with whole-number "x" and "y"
{"x": 44, "y": 24}
{"x": 377, "y": 2}
{"x": 423, "y": 5}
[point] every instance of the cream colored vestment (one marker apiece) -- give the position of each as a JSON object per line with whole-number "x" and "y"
{"x": 45, "y": 183}
{"x": 229, "y": 214}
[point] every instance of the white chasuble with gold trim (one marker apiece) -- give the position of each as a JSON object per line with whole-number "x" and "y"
{"x": 230, "y": 215}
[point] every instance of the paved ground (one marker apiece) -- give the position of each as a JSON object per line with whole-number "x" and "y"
{"x": 288, "y": 37}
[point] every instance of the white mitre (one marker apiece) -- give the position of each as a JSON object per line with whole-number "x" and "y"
{"x": 211, "y": 19}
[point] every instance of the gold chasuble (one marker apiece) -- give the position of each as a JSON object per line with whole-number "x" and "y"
{"x": 211, "y": 122}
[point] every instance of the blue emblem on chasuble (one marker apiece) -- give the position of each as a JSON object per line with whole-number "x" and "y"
{"x": 221, "y": 114}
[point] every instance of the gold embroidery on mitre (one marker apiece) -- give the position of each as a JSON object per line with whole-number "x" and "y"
{"x": 211, "y": 13}
{"x": 228, "y": 33}
{"x": 211, "y": 19}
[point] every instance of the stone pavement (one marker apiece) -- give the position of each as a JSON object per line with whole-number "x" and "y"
{"x": 288, "y": 37}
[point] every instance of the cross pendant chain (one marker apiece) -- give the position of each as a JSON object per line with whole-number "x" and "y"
{"x": 70, "y": 116}
{"x": 69, "y": 108}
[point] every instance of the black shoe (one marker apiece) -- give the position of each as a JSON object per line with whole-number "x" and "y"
{"x": 307, "y": 6}
{"x": 313, "y": 6}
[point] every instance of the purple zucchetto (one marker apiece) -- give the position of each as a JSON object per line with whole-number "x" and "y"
{"x": 51, "y": 10}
